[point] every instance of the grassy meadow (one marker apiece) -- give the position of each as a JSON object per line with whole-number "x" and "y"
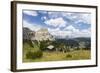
{"x": 53, "y": 55}
{"x": 58, "y": 56}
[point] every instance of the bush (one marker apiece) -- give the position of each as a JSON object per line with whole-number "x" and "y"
{"x": 69, "y": 56}
{"x": 34, "y": 54}
{"x": 43, "y": 45}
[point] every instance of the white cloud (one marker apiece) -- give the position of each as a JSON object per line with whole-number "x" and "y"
{"x": 57, "y": 22}
{"x": 32, "y": 13}
{"x": 86, "y": 18}
{"x": 70, "y": 32}
{"x": 67, "y": 14}
{"x": 70, "y": 15}
{"x": 82, "y": 33}
{"x": 50, "y": 13}
{"x": 78, "y": 17}
{"x": 43, "y": 12}
{"x": 59, "y": 33}
{"x": 31, "y": 26}
{"x": 71, "y": 28}
{"x": 53, "y": 14}
{"x": 44, "y": 18}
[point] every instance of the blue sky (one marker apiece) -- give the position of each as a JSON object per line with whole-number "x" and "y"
{"x": 59, "y": 24}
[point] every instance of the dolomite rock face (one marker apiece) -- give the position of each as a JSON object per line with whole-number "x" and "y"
{"x": 39, "y": 35}
{"x": 27, "y": 33}
{"x": 43, "y": 34}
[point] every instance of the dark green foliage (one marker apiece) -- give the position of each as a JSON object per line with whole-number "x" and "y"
{"x": 68, "y": 49}
{"x": 67, "y": 44}
{"x": 44, "y": 44}
{"x": 55, "y": 43}
{"x": 86, "y": 42}
{"x": 29, "y": 42}
{"x": 88, "y": 46}
{"x": 34, "y": 54}
{"x": 74, "y": 43}
{"x": 31, "y": 50}
{"x": 68, "y": 56}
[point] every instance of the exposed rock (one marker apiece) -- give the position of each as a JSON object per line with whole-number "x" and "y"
{"x": 39, "y": 35}
{"x": 43, "y": 34}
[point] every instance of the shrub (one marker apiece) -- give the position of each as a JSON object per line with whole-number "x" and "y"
{"x": 43, "y": 44}
{"x": 69, "y": 56}
{"x": 34, "y": 54}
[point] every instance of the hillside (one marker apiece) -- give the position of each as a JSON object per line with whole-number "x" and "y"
{"x": 75, "y": 42}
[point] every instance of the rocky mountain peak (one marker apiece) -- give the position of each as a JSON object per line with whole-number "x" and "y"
{"x": 42, "y": 34}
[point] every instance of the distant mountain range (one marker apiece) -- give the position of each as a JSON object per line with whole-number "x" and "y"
{"x": 43, "y": 34}
{"x": 76, "y": 41}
